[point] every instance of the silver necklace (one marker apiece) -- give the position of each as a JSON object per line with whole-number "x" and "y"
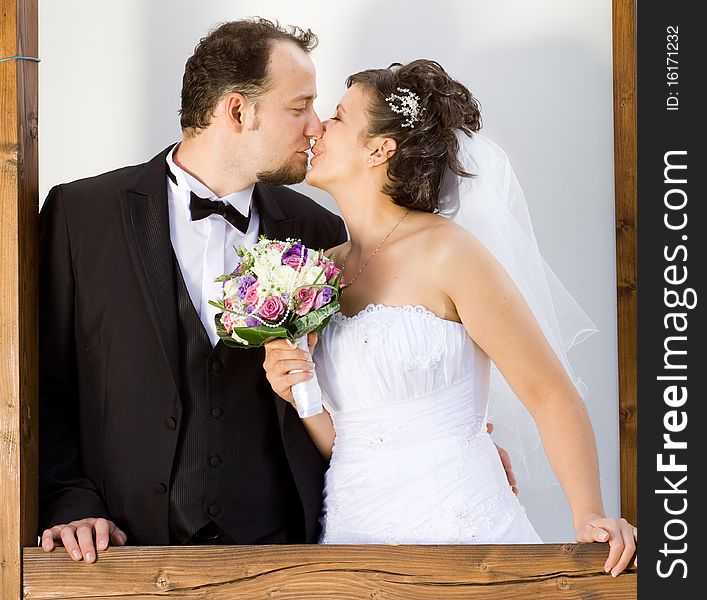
{"x": 343, "y": 264}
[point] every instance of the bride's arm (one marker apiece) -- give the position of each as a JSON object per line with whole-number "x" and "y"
{"x": 280, "y": 359}
{"x": 498, "y": 319}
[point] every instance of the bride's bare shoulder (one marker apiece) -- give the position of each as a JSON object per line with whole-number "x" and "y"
{"x": 450, "y": 251}
{"x": 441, "y": 236}
{"x": 336, "y": 252}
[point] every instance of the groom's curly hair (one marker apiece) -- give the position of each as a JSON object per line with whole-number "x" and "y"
{"x": 424, "y": 152}
{"x": 233, "y": 57}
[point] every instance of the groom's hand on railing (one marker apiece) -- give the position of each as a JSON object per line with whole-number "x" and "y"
{"x": 506, "y": 461}
{"x": 78, "y": 537}
{"x": 285, "y": 365}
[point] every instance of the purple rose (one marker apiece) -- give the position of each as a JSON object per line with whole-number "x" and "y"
{"x": 243, "y": 284}
{"x": 252, "y": 322}
{"x": 323, "y": 297}
{"x": 271, "y": 309}
{"x": 295, "y": 257}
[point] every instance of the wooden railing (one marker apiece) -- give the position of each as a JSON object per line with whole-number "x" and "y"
{"x": 331, "y": 572}
{"x": 395, "y": 572}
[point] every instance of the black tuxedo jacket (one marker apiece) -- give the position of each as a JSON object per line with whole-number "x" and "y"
{"x": 108, "y": 369}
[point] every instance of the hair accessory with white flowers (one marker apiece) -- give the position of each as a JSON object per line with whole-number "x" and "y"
{"x": 407, "y": 105}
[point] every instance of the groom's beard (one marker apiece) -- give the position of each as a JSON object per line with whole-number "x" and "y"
{"x": 286, "y": 174}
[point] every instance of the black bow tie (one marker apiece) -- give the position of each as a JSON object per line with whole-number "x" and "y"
{"x": 200, "y": 208}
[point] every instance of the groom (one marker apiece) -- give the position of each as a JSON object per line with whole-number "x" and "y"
{"x": 152, "y": 431}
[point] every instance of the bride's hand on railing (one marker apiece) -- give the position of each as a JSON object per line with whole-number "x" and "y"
{"x": 285, "y": 365}
{"x": 619, "y": 533}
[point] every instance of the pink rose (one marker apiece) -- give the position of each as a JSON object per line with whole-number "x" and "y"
{"x": 272, "y": 308}
{"x": 227, "y": 321}
{"x": 306, "y": 298}
{"x": 251, "y": 296}
{"x": 279, "y": 246}
{"x": 331, "y": 272}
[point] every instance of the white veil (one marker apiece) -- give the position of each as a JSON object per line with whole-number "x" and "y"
{"x": 493, "y": 208}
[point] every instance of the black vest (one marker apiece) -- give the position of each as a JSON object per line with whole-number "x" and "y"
{"x": 230, "y": 466}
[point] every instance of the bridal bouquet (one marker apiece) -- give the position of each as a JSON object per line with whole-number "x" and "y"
{"x": 279, "y": 290}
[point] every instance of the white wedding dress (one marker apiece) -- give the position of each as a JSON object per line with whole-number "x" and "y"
{"x": 412, "y": 462}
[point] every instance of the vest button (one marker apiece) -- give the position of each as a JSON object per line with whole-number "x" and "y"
{"x": 170, "y": 423}
{"x": 217, "y": 412}
{"x": 160, "y": 488}
{"x": 216, "y": 365}
{"x": 215, "y": 461}
{"x": 214, "y": 509}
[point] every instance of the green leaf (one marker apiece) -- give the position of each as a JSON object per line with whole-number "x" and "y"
{"x": 220, "y": 305}
{"x": 255, "y": 336}
{"x": 313, "y": 321}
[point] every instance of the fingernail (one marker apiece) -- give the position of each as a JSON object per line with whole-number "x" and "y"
{"x": 89, "y": 556}
{"x": 615, "y": 573}
{"x": 603, "y": 535}
{"x": 76, "y": 554}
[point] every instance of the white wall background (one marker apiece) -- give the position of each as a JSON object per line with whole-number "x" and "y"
{"x": 110, "y": 82}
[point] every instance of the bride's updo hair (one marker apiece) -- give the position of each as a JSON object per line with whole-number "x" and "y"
{"x": 426, "y": 149}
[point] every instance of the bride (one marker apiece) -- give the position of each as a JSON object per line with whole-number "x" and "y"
{"x": 404, "y": 367}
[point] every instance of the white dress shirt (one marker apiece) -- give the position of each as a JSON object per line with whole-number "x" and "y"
{"x": 205, "y": 248}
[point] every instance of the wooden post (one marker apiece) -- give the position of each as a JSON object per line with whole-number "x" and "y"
{"x": 625, "y": 150}
{"x": 18, "y": 290}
